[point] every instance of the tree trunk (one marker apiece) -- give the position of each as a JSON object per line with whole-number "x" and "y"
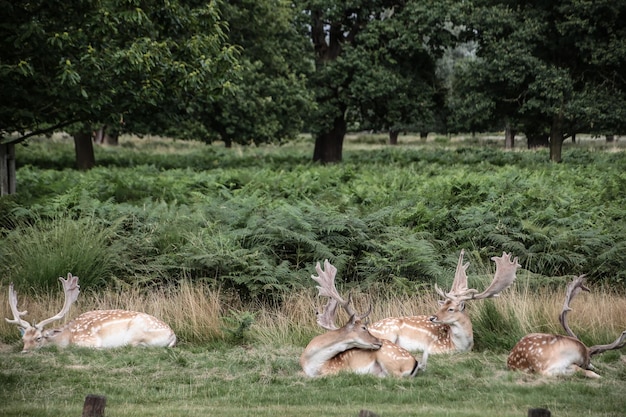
{"x": 393, "y": 137}
{"x": 556, "y": 138}
{"x": 7, "y": 169}
{"x": 329, "y": 145}
{"x": 509, "y": 137}
{"x": 423, "y": 136}
{"x": 610, "y": 138}
{"x": 83, "y": 145}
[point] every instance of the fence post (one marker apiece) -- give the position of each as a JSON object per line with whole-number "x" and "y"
{"x": 94, "y": 405}
{"x": 538, "y": 412}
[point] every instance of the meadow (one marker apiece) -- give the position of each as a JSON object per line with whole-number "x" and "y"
{"x": 220, "y": 243}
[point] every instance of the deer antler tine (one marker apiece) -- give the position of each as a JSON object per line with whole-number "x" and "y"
{"x": 326, "y": 319}
{"x": 71, "y": 290}
{"x": 17, "y": 315}
{"x": 503, "y": 278}
{"x": 573, "y": 288}
{"x": 327, "y": 288}
{"x": 619, "y": 343}
{"x": 459, "y": 285}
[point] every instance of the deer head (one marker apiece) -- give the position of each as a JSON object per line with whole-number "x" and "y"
{"x": 454, "y": 304}
{"x": 34, "y": 336}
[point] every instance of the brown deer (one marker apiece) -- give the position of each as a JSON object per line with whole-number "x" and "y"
{"x": 351, "y": 347}
{"x": 553, "y": 354}
{"x": 449, "y": 329}
{"x": 96, "y": 329}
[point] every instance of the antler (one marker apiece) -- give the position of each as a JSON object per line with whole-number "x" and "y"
{"x": 620, "y": 342}
{"x": 459, "y": 285}
{"x": 326, "y": 288}
{"x": 573, "y": 288}
{"x": 502, "y": 279}
{"x": 71, "y": 290}
{"x": 576, "y": 286}
{"x": 17, "y": 315}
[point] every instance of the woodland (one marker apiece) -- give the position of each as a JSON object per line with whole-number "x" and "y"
{"x": 253, "y": 72}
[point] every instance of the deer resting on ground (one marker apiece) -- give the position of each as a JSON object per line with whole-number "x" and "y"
{"x": 351, "y": 347}
{"x": 449, "y": 329}
{"x": 96, "y": 329}
{"x": 553, "y": 354}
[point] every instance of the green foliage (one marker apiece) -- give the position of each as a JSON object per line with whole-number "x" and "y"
{"x": 259, "y": 219}
{"x": 237, "y": 326}
{"x": 105, "y": 61}
{"x": 495, "y": 330}
{"x": 34, "y": 254}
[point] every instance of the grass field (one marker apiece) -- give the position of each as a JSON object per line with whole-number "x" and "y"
{"x": 259, "y": 375}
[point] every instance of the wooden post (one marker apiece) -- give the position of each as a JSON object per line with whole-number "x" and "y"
{"x": 94, "y": 405}
{"x": 538, "y": 412}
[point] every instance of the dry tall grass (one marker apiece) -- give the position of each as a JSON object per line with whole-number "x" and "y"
{"x": 196, "y": 312}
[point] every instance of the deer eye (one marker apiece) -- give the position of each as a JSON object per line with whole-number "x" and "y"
{"x": 39, "y": 339}
{"x": 450, "y": 309}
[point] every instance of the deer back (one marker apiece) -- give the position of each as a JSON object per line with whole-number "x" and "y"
{"x": 108, "y": 329}
{"x": 548, "y": 354}
{"x": 389, "y": 360}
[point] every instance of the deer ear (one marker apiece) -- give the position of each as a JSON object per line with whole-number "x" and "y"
{"x": 50, "y": 333}
{"x": 22, "y": 331}
{"x": 461, "y": 305}
{"x": 440, "y": 302}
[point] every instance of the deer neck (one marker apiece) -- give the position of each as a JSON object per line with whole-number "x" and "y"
{"x": 462, "y": 334}
{"x": 60, "y": 336}
{"x": 320, "y": 350}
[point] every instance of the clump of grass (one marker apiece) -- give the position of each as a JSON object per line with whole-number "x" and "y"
{"x": 34, "y": 255}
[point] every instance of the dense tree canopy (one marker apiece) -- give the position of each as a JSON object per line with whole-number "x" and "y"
{"x": 549, "y": 69}
{"x": 251, "y": 72}
{"x": 374, "y": 60}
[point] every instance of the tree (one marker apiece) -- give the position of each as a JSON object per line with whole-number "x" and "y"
{"x": 351, "y": 59}
{"x": 397, "y": 85}
{"x": 75, "y": 65}
{"x": 550, "y": 68}
{"x": 269, "y": 101}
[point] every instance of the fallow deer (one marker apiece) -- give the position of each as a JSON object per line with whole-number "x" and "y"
{"x": 553, "y": 354}
{"x": 351, "y": 347}
{"x": 449, "y": 329}
{"x": 96, "y": 329}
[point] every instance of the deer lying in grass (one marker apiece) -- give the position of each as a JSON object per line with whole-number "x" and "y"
{"x": 97, "y": 329}
{"x": 351, "y": 347}
{"x": 552, "y": 354}
{"x": 449, "y": 329}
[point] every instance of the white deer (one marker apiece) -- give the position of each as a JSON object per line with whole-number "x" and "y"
{"x": 553, "y": 354}
{"x": 96, "y": 329}
{"x": 351, "y": 347}
{"x": 450, "y": 328}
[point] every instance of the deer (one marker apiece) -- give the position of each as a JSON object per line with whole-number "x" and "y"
{"x": 94, "y": 329}
{"x": 351, "y": 347}
{"x": 559, "y": 355}
{"x": 449, "y": 330}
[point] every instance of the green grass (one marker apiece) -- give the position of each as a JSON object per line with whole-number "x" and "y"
{"x": 260, "y": 380}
